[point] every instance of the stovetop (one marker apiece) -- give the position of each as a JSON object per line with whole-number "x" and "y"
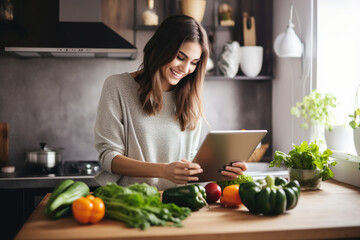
{"x": 67, "y": 168}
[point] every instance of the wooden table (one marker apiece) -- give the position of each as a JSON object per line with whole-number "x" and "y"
{"x": 332, "y": 212}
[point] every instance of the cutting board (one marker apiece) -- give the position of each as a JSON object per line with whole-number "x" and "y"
{"x": 332, "y": 212}
{"x": 4, "y": 144}
{"x": 249, "y": 30}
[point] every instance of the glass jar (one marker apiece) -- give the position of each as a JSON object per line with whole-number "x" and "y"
{"x": 308, "y": 179}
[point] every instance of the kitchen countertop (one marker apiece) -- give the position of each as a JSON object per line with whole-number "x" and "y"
{"x": 26, "y": 178}
{"x": 332, "y": 212}
{"x": 49, "y": 181}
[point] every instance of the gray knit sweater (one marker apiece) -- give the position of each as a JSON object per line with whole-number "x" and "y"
{"x": 123, "y": 128}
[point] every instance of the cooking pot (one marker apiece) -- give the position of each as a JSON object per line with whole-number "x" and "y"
{"x": 45, "y": 157}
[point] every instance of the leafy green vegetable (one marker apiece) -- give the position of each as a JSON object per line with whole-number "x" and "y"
{"x": 355, "y": 119}
{"x": 241, "y": 179}
{"x": 306, "y": 157}
{"x": 316, "y": 108}
{"x": 140, "y": 206}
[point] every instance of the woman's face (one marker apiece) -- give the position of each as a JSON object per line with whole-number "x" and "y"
{"x": 183, "y": 64}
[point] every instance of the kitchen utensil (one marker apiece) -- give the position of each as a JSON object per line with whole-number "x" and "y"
{"x": 4, "y": 144}
{"x": 46, "y": 158}
{"x": 249, "y": 30}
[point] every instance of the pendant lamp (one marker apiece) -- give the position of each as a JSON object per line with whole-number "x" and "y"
{"x": 288, "y": 44}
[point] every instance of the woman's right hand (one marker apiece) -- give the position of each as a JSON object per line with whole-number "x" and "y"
{"x": 182, "y": 172}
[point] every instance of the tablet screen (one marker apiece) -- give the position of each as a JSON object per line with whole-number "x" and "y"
{"x": 221, "y": 148}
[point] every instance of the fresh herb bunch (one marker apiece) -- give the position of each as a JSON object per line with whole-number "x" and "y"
{"x": 140, "y": 206}
{"x": 316, "y": 107}
{"x": 241, "y": 179}
{"x": 355, "y": 119}
{"x": 306, "y": 157}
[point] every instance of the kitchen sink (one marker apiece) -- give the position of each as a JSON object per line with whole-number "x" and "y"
{"x": 258, "y": 170}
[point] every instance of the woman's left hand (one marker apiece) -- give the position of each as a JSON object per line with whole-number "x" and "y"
{"x": 233, "y": 171}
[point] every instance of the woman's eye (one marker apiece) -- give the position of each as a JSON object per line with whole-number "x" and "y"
{"x": 180, "y": 58}
{"x": 194, "y": 63}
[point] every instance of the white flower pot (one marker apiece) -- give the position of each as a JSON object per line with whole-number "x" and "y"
{"x": 340, "y": 139}
{"x": 357, "y": 140}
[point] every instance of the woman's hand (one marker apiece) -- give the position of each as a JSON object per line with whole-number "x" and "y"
{"x": 182, "y": 171}
{"x": 232, "y": 172}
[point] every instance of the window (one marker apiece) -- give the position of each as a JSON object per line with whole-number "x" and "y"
{"x": 338, "y": 54}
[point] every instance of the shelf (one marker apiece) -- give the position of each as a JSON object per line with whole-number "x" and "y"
{"x": 238, "y": 78}
{"x": 219, "y": 35}
{"x": 145, "y": 28}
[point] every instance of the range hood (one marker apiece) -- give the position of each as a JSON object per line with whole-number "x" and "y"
{"x": 74, "y": 39}
{"x": 64, "y": 35}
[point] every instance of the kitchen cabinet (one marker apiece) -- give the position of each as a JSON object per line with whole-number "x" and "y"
{"x": 332, "y": 212}
{"x": 21, "y": 195}
{"x": 219, "y": 35}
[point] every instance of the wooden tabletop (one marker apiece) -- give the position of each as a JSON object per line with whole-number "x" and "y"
{"x": 332, "y": 212}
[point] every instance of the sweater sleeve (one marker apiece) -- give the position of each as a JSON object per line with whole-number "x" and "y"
{"x": 109, "y": 128}
{"x": 196, "y": 140}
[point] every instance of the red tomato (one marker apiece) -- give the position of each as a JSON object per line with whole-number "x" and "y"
{"x": 213, "y": 192}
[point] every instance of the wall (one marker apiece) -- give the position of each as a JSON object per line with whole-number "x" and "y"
{"x": 55, "y": 100}
{"x": 292, "y": 77}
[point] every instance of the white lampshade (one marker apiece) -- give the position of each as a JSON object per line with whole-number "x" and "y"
{"x": 288, "y": 44}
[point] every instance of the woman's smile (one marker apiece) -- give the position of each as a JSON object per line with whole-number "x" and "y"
{"x": 177, "y": 74}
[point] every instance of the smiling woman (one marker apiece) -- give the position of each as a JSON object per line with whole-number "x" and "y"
{"x": 185, "y": 63}
{"x": 149, "y": 121}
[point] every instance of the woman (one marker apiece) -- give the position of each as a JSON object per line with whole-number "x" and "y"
{"x": 149, "y": 122}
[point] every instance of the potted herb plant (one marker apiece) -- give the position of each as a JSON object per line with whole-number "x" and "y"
{"x": 306, "y": 164}
{"x": 355, "y": 124}
{"x": 316, "y": 108}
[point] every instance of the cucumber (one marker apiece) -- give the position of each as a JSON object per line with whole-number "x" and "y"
{"x": 75, "y": 191}
{"x": 64, "y": 196}
{"x": 61, "y": 187}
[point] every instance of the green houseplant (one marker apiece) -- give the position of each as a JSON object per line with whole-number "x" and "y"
{"x": 355, "y": 119}
{"x": 355, "y": 122}
{"x": 316, "y": 108}
{"x": 307, "y": 164}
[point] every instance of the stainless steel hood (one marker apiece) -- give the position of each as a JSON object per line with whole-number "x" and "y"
{"x": 50, "y": 34}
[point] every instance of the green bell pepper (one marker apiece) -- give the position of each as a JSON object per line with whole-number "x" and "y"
{"x": 192, "y": 196}
{"x": 270, "y": 197}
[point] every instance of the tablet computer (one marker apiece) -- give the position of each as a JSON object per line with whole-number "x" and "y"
{"x": 221, "y": 148}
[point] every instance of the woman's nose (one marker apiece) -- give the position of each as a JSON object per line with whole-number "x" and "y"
{"x": 185, "y": 67}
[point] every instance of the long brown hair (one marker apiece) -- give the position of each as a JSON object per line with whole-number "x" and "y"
{"x": 161, "y": 49}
